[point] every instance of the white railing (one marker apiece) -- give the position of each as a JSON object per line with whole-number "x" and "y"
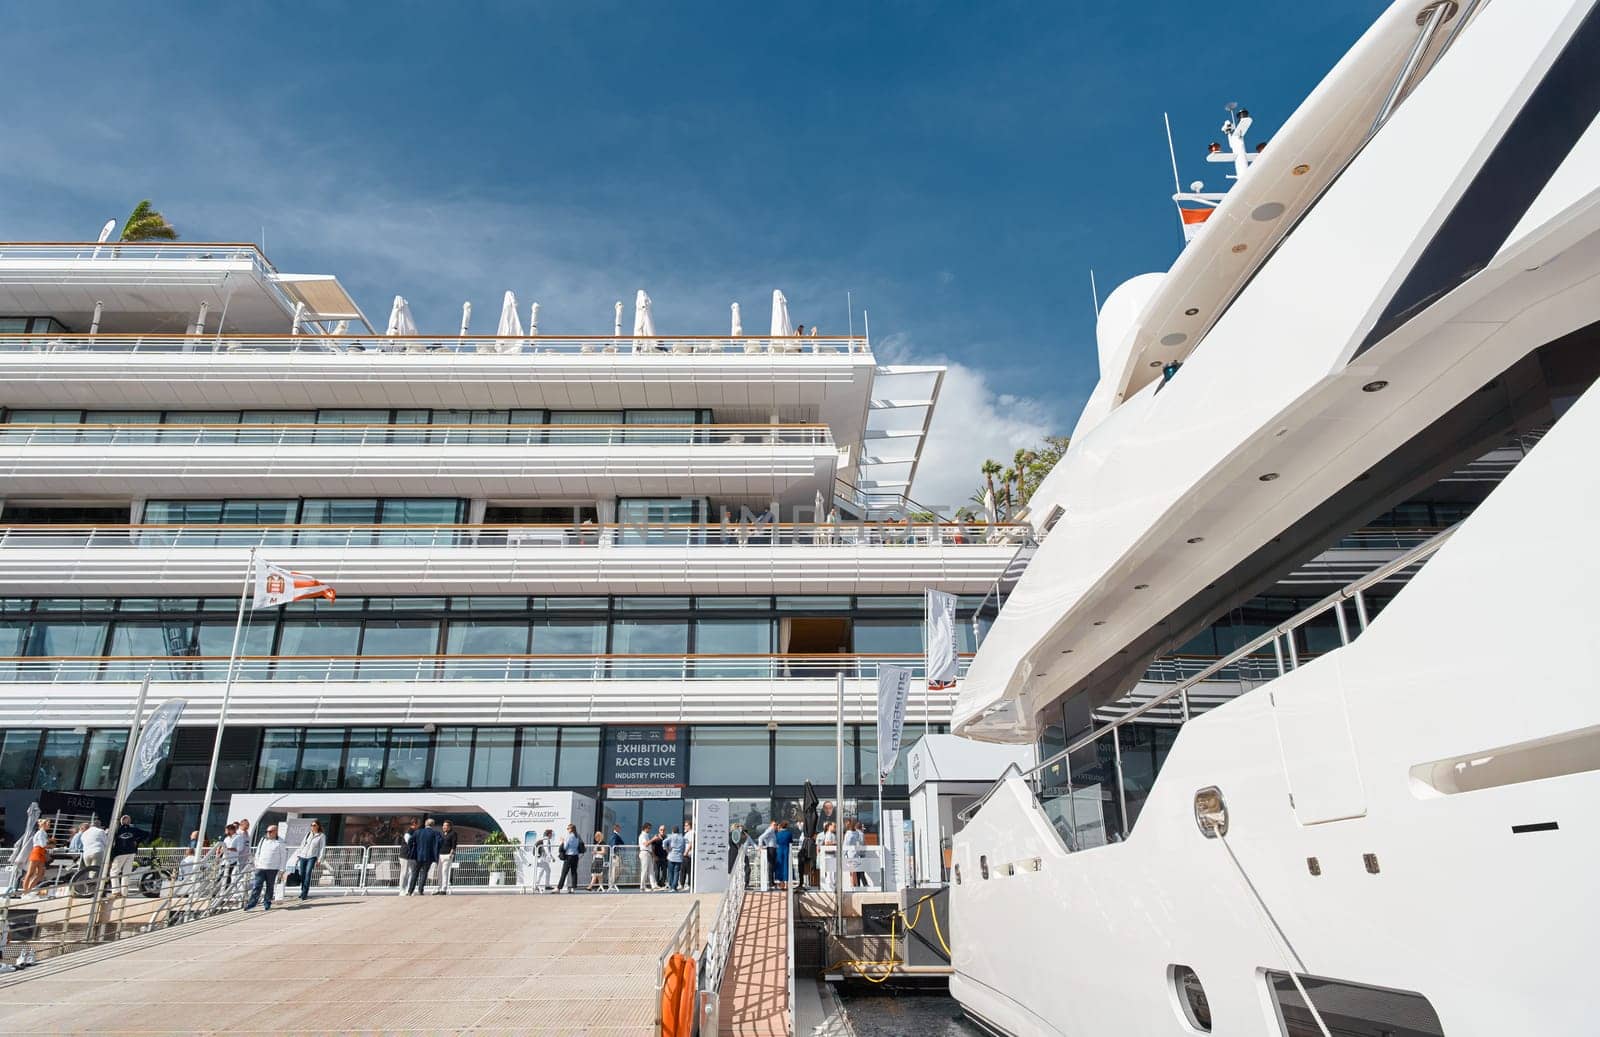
{"x": 394, "y": 345}
{"x": 730, "y": 534}
{"x": 274, "y": 435}
{"x": 139, "y": 251}
{"x": 685, "y": 940}
{"x": 450, "y": 668}
{"x": 719, "y": 941}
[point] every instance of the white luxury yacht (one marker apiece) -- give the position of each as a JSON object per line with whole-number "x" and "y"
{"x": 1395, "y": 833}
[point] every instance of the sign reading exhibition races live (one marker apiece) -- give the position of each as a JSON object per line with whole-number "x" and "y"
{"x": 644, "y": 762}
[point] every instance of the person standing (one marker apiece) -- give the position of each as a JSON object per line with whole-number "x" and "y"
{"x": 571, "y": 852}
{"x": 93, "y": 843}
{"x": 270, "y": 858}
{"x": 447, "y": 856}
{"x": 75, "y": 844}
{"x": 854, "y": 841}
{"x": 408, "y": 858}
{"x": 426, "y": 843}
{"x": 808, "y": 855}
{"x": 647, "y": 867}
{"x": 312, "y": 847}
{"x": 688, "y": 854}
{"x": 674, "y": 843}
{"x": 614, "y": 842}
{"x": 228, "y": 855}
{"x": 828, "y": 848}
{"x": 785, "y": 839}
{"x": 124, "y": 848}
{"x": 544, "y": 848}
{"x": 242, "y": 843}
{"x": 769, "y": 851}
{"x": 658, "y": 849}
{"x": 597, "y": 863}
{"x": 38, "y": 856}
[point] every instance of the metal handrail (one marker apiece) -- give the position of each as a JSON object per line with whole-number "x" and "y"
{"x": 684, "y": 940}
{"x": 741, "y": 533}
{"x": 661, "y": 346}
{"x": 154, "y": 434}
{"x": 1350, "y": 591}
{"x": 719, "y": 942}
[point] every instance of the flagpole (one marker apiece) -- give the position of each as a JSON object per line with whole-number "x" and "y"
{"x": 883, "y": 845}
{"x": 118, "y": 803}
{"x": 838, "y": 810}
{"x": 227, "y": 692}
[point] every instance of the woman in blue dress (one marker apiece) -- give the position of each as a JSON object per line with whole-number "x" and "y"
{"x": 785, "y": 837}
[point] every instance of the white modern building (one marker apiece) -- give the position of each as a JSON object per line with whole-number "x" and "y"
{"x": 548, "y": 551}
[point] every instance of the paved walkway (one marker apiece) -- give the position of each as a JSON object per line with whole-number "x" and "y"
{"x": 755, "y": 987}
{"x": 566, "y": 964}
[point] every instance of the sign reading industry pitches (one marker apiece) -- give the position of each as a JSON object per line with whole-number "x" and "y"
{"x": 643, "y": 757}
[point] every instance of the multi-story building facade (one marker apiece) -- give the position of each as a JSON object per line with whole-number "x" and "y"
{"x": 547, "y": 551}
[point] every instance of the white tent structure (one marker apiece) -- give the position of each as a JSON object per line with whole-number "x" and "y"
{"x": 644, "y": 325}
{"x": 510, "y": 325}
{"x": 738, "y": 324}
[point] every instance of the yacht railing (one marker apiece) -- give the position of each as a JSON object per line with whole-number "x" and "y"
{"x": 438, "y": 345}
{"x": 16, "y": 434}
{"x": 733, "y": 533}
{"x": 335, "y": 669}
{"x": 134, "y": 251}
{"x": 1068, "y": 804}
{"x": 988, "y": 609}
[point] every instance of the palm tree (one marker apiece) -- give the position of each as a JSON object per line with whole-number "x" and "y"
{"x": 145, "y": 224}
{"x": 1007, "y": 477}
{"x": 990, "y": 470}
{"x": 1023, "y": 461}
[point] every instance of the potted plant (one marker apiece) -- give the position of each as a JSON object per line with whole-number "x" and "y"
{"x": 498, "y": 857}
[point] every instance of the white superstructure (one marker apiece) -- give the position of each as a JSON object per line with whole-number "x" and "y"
{"x": 1390, "y": 837}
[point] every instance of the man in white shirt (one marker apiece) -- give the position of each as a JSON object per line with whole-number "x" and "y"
{"x": 94, "y": 843}
{"x": 271, "y": 857}
{"x": 688, "y": 853}
{"x": 769, "y": 855}
{"x": 543, "y": 852}
{"x": 647, "y": 863}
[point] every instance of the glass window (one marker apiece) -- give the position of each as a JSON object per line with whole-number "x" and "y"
{"x": 215, "y": 638}
{"x": 491, "y": 757}
{"x": 278, "y": 417}
{"x": 580, "y": 756}
{"x": 807, "y": 754}
{"x": 574, "y": 637}
{"x": 66, "y": 637}
{"x": 396, "y": 637}
{"x": 259, "y": 512}
{"x": 742, "y": 604}
{"x": 339, "y": 512}
{"x": 649, "y": 637}
{"x": 869, "y": 754}
{"x": 660, "y": 520}
{"x": 408, "y": 759}
{"x": 536, "y": 760}
{"x": 729, "y": 756}
{"x": 653, "y": 604}
{"x": 280, "y": 754}
{"x": 319, "y": 760}
{"x": 352, "y": 417}
{"x": 837, "y": 605}
{"x": 485, "y": 637}
{"x": 18, "y": 751}
{"x": 59, "y": 760}
{"x": 452, "y": 758}
{"x": 363, "y": 765}
{"x": 1351, "y": 1009}
{"x": 732, "y": 637}
{"x": 888, "y": 636}
{"x": 174, "y": 638}
{"x": 320, "y": 637}
{"x": 102, "y": 765}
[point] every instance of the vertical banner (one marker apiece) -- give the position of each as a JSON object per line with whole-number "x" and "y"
{"x": 153, "y": 745}
{"x": 894, "y": 688}
{"x": 891, "y": 843}
{"x": 939, "y": 639}
{"x": 710, "y": 871}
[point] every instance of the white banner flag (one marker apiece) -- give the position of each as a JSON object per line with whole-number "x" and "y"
{"x": 152, "y": 748}
{"x": 939, "y": 637}
{"x": 894, "y": 689}
{"x": 276, "y": 585}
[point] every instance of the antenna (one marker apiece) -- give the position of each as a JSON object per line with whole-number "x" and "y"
{"x": 1177, "y": 187}
{"x": 1094, "y": 293}
{"x": 850, "y": 313}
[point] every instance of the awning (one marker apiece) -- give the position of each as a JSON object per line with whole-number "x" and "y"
{"x": 324, "y": 297}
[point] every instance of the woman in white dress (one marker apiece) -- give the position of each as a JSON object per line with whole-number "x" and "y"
{"x": 828, "y": 851}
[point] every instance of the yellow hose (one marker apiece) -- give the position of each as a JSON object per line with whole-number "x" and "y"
{"x": 894, "y": 963}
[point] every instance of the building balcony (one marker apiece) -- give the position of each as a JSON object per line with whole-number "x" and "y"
{"x": 733, "y": 558}
{"x": 548, "y": 461}
{"x": 465, "y": 689}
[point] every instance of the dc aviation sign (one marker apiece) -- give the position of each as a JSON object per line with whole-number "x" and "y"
{"x": 639, "y": 756}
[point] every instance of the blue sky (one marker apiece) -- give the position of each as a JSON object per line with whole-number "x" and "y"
{"x": 958, "y": 167}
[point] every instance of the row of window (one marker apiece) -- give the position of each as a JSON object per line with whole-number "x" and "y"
{"x": 450, "y": 757}
{"x": 510, "y": 604}
{"x": 360, "y": 416}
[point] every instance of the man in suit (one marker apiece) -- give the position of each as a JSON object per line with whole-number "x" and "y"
{"x": 427, "y": 841}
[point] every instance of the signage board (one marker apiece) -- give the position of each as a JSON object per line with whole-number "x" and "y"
{"x": 644, "y": 792}
{"x": 710, "y": 872}
{"x": 644, "y": 756}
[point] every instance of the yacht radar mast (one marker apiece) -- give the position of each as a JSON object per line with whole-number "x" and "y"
{"x": 1196, "y": 205}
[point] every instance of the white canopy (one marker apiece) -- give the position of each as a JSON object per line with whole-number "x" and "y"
{"x": 400, "y": 322}
{"x": 644, "y": 325}
{"x": 738, "y": 325}
{"x": 780, "y": 316}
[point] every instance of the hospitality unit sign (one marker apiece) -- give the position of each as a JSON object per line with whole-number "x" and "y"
{"x": 644, "y": 756}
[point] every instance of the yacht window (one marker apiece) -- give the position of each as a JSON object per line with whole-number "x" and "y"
{"x": 983, "y": 866}
{"x": 1350, "y": 1009}
{"x": 1191, "y": 998}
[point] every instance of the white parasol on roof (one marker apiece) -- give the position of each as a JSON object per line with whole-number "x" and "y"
{"x": 510, "y": 325}
{"x": 989, "y": 511}
{"x": 466, "y": 319}
{"x": 616, "y": 326}
{"x": 781, "y": 328}
{"x": 738, "y": 325}
{"x": 533, "y": 319}
{"x": 644, "y": 325}
{"x": 400, "y": 322}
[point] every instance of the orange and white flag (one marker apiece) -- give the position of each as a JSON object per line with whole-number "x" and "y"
{"x": 276, "y": 586}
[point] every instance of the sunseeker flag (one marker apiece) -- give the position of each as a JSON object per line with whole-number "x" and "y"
{"x": 276, "y": 585}
{"x": 940, "y": 639}
{"x": 894, "y": 688}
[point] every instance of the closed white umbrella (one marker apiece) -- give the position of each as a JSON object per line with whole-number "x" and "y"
{"x": 466, "y": 319}
{"x": 644, "y": 325}
{"x": 616, "y": 326}
{"x": 738, "y": 325}
{"x": 510, "y": 325}
{"x": 781, "y": 328}
{"x": 400, "y": 322}
{"x": 533, "y": 319}
{"x": 989, "y": 511}
{"x": 818, "y": 513}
